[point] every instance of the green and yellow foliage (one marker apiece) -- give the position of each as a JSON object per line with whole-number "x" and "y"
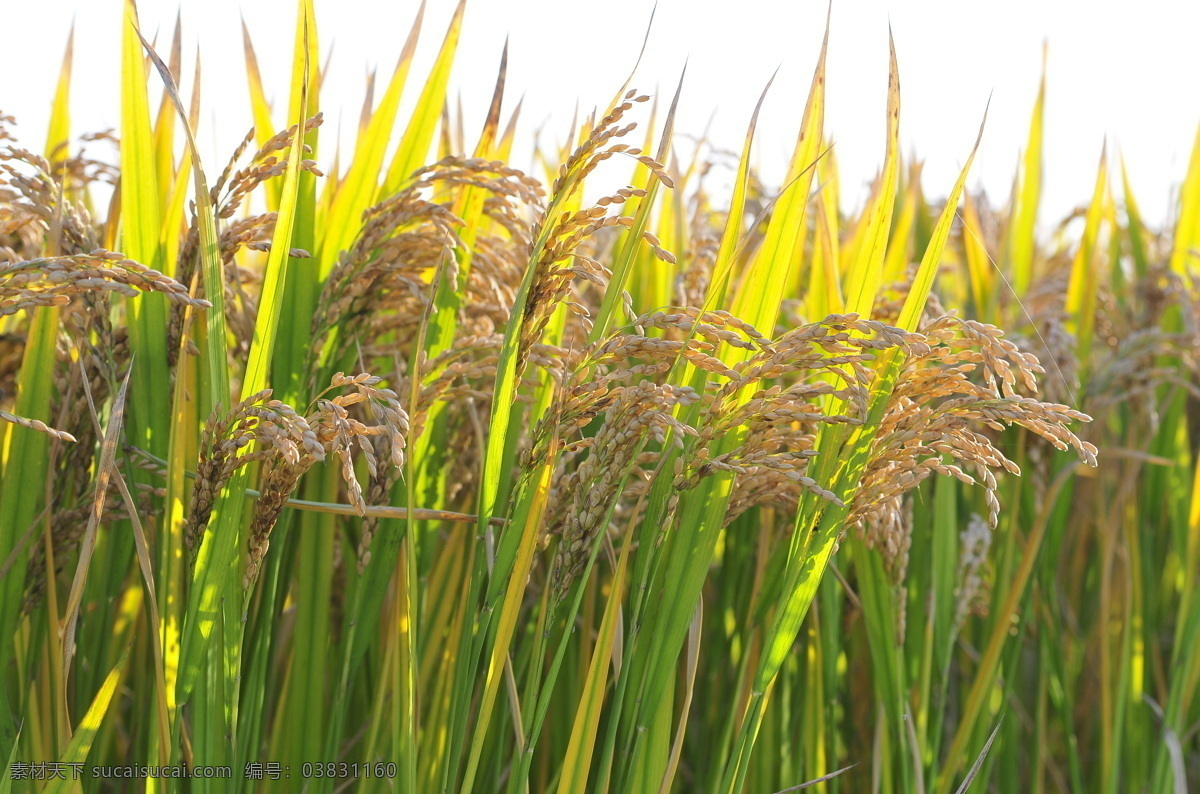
{"x": 467, "y": 481}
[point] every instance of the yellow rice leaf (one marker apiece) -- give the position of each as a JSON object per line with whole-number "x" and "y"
{"x": 85, "y": 733}
{"x": 773, "y": 270}
{"x": 260, "y": 108}
{"x": 529, "y": 525}
{"x": 504, "y": 147}
{"x": 173, "y": 217}
{"x": 900, "y": 241}
{"x": 979, "y": 268}
{"x": 582, "y": 744}
{"x": 1135, "y": 228}
{"x": 58, "y": 133}
{"x": 823, "y": 295}
{"x": 732, "y": 235}
{"x": 866, "y": 272}
{"x": 1085, "y": 276}
{"x": 1187, "y": 230}
{"x": 164, "y": 127}
{"x": 918, "y": 293}
{"x": 1025, "y": 209}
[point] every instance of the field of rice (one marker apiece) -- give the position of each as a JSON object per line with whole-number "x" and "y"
{"x": 424, "y": 470}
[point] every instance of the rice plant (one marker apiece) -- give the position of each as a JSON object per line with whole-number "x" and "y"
{"x": 423, "y": 471}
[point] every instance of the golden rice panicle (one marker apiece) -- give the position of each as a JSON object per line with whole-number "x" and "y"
{"x": 333, "y": 430}
{"x": 38, "y": 200}
{"x": 85, "y": 280}
{"x": 228, "y": 442}
{"x": 511, "y": 187}
{"x": 402, "y": 241}
{"x": 53, "y": 281}
{"x": 634, "y": 414}
{"x": 384, "y": 281}
{"x": 598, "y": 371}
{"x": 780, "y": 420}
{"x": 936, "y": 409}
{"x": 268, "y": 162}
{"x": 563, "y": 235}
{"x": 278, "y": 480}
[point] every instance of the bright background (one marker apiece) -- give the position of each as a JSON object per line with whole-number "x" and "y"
{"x": 1123, "y": 72}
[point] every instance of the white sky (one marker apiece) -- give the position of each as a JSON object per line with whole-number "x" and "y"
{"x": 1128, "y": 72}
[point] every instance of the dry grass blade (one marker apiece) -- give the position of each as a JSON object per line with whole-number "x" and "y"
{"x": 104, "y": 472}
{"x": 817, "y": 780}
{"x": 975, "y": 767}
{"x": 142, "y": 547}
{"x": 1174, "y": 751}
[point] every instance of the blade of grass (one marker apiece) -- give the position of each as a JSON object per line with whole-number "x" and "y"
{"x": 970, "y": 778}
{"x": 85, "y": 732}
{"x": 1187, "y": 228}
{"x": 140, "y": 229}
{"x": 212, "y": 580}
{"x": 1025, "y": 198}
{"x": 104, "y": 472}
{"x": 58, "y": 131}
{"x": 260, "y": 108}
{"x": 1084, "y": 286}
{"x": 578, "y": 759}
